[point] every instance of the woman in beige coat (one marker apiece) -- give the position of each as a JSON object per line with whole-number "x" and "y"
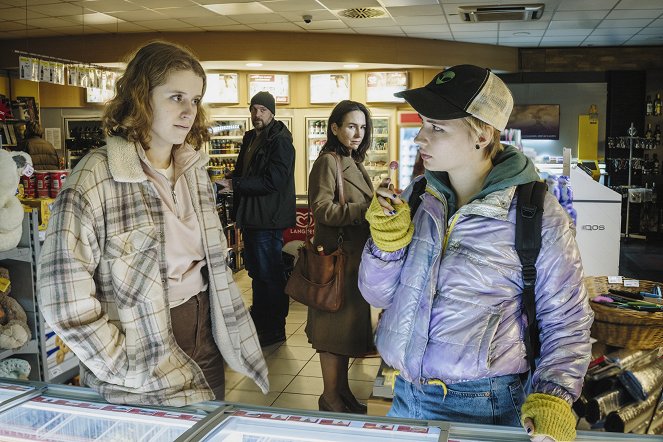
{"x": 346, "y": 333}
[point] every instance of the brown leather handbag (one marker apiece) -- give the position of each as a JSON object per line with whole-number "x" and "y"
{"x": 317, "y": 280}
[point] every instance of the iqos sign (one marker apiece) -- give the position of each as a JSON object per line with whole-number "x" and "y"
{"x": 593, "y": 227}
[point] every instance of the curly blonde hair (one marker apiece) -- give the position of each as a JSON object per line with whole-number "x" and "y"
{"x": 129, "y": 114}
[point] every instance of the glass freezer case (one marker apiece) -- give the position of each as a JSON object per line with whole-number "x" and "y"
{"x": 32, "y": 411}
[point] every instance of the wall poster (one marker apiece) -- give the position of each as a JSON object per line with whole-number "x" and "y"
{"x": 222, "y": 88}
{"x": 276, "y": 84}
{"x": 381, "y": 86}
{"x": 329, "y": 88}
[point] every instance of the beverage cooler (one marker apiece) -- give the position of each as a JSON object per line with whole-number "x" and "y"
{"x": 409, "y": 124}
{"x": 377, "y": 156}
{"x": 225, "y": 142}
{"x": 31, "y": 411}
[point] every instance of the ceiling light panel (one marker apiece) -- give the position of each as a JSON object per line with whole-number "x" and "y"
{"x": 238, "y": 8}
{"x": 292, "y": 5}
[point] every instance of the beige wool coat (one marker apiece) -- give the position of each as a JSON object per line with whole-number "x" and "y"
{"x": 348, "y": 331}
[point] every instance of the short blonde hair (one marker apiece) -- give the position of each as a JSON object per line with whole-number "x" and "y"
{"x": 478, "y": 127}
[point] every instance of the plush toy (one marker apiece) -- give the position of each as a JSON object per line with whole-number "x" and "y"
{"x": 14, "y": 368}
{"x": 14, "y": 330}
{"x": 12, "y": 166}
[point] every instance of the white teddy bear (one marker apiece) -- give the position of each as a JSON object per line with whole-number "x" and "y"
{"x": 12, "y": 165}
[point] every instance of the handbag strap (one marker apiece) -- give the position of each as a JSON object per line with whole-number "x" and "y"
{"x": 341, "y": 197}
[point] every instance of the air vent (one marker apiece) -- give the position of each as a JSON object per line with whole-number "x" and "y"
{"x": 483, "y": 13}
{"x": 362, "y": 13}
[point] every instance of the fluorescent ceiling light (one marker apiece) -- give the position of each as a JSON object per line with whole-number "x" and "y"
{"x": 351, "y": 66}
{"x": 254, "y": 65}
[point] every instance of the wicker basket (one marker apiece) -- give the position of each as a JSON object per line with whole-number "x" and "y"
{"x": 621, "y": 327}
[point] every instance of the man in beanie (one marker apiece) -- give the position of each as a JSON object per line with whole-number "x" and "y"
{"x": 263, "y": 187}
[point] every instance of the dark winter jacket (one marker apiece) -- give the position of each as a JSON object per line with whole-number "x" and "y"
{"x": 43, "y": 154}
{"x": 264, "y": 198}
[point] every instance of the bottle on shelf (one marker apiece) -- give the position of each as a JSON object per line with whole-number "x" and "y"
{"x": 649, "y": 106}
{"x": 657, "y": 135}
{"x": 656, "y": 164}
{"x": 649, "y": 134}
{"x": 657, "y": 104}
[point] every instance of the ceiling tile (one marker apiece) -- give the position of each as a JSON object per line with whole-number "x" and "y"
{"x": 122, "y": 26}
{"x": 651, "y": 30}
{"x": 239, "y": 8}
{"x": 222, "y": 2}
{"x": 632, "y": 23}
{"x": 568, "y": 32}
{"x": 634, "y": 13}
{"x": 135, "y": 16}
{"x": 471, "y": 27}
{"x": 187, "y": 12}
{"x": 58, "y": 10}
{"x": 490, "y": 41}
{"x": 586, "y": 5}
{"x": 361, "y": 23}
{"x": 160, "y": 25}
{"x": 523, "y": 39}
{"x": 277, "y": 27}
{"x": 210, "y": 20}
{"x": 391, "y": 3}
{"x": 646, "y": 40}
{"x": 580, "y": 15}
{"x": 604, "y": 40}
{"x": 229, "y": 28}
{"x": 532, "y": 33}
{"x": 248, "y": 19}
{"x": 92, "y": 19}
{"x": 573, "y": 24}
{"x": 291, "y": 5}
{"x": 11, "y": 26}
{"x": 34, "y": 33}
{"x": 422, "y": 29}
{"x": 338, "y": 31}
{"x": 421, "y": 20}
{"x": 187, "y": 29}
{"x": 48, "y": 22}
{"x": 538, "y": 24}
{"x": 656, "y": 23}
{"x": 317, "y": 15}
{"x": 326, "y": 24}
{"x": 21, "y": 3}
{"x": 576, "y": 38}
{"x": 639, "y": 4}
{"x": 408, "y": 11}
{"x": 153, "y": 4}
{"x": 386, "y": 30}
{"x": 19, "y": 14}
{"x": 432, "y": 35}
{"x": 467, "y": 35}
{"x": 555, "y": 43}
{"x": 109, "y": 5}
{"x": 345, "y": 4}
{"x": 627, "y": 32}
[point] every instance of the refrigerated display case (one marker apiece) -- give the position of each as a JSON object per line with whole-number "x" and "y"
{"x": 225, "y": 143}
{"x": 409, "y": 124}
{"x": 40, "y": 412}
{"x": 377, "y": 156}
{"x": 316, "y": 136}
{"x": 81, "y": 135}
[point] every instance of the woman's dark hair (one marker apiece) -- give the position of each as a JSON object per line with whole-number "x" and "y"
{"x": 32, "y": 130}
{"x": 129, "y": 114}
{"x": 338, "y": 114}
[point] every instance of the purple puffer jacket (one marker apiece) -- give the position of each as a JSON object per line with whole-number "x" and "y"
{"x": 455, "y": 314}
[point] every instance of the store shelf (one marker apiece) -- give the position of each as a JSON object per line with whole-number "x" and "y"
{"x": 223, "y": 155}
{"x": 17, "y": 254}
{"x": 317, "y": 137}
{"x": 28, "y": 347}
{"x": 227, "y": 137}
{"x": 69, "y": 368}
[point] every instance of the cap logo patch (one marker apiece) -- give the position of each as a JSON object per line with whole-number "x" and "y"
{"x": 446, "y": 76}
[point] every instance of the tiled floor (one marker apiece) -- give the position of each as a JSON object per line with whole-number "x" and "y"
{"x": 294, "y": 368}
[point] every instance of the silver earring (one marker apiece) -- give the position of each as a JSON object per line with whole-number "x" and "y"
{"x": 477, "y": 147}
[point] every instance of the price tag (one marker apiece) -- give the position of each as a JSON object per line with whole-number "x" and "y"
{"x": 631, "y": 283}
{"x": 615, "y": 279}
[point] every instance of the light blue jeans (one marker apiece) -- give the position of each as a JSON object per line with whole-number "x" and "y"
{"x": 492, "y": 401}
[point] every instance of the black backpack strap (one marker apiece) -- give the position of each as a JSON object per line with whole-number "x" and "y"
{"x": 417, "y": 190}
{"x": 529, "y": 215}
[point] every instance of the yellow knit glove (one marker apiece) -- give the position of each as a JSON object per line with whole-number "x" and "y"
{"x": 551, "y": 415}
{"x": 390, "y": 232}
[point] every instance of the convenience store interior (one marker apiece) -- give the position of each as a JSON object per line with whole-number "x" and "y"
{"x": 607, "y": 53}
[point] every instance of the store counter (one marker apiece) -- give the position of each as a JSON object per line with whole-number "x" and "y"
{"x": 31, "y": 411}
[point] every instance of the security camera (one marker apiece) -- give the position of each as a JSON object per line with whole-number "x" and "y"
{"x": 307, "y": 18}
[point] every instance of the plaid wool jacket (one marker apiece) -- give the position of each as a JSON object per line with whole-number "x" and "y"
{"x": 102, "y": 283}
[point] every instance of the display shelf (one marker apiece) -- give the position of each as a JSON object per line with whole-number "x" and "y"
{"x": 17, "y": 253}
{"x": 70, "y": 368}
{"x": 27, "y": 348}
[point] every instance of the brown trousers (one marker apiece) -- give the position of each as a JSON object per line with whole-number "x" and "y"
{"x": 192, "y": 327}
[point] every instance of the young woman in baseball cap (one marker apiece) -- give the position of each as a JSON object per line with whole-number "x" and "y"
{"x": 450, "y": 281}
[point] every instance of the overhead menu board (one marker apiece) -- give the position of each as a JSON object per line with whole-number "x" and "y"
{"x": 221, "y": 88}
{"x": 329, "y": 88}
{"x": 381, "y": 86}
{"x": 276, "y": 84}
